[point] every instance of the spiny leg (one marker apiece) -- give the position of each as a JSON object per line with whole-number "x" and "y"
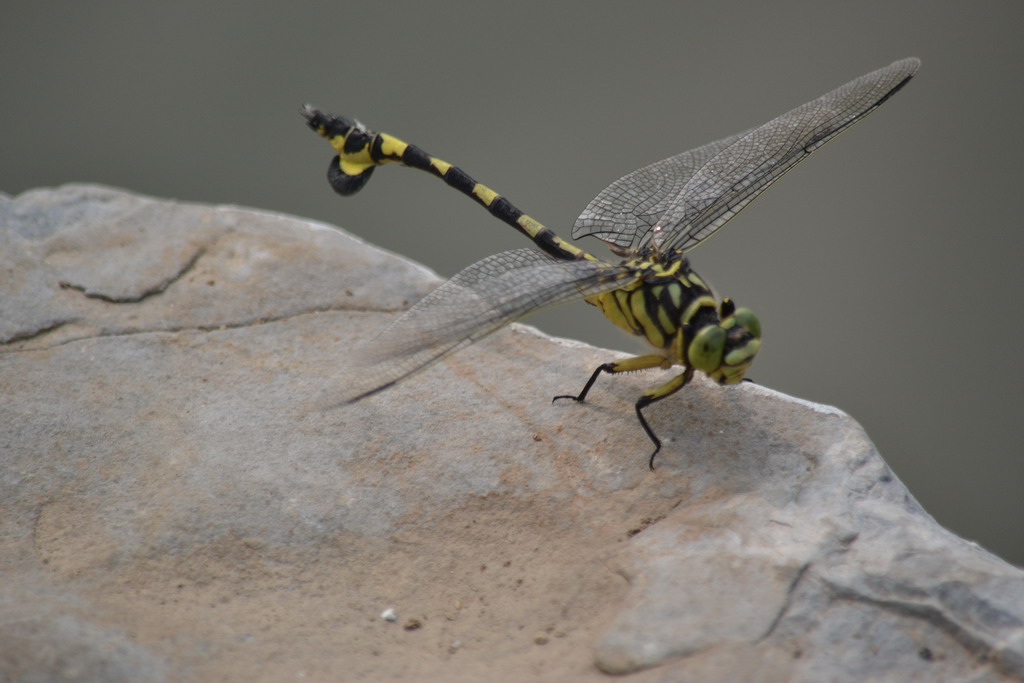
{"x": 649, "y": 397}
{"x": 627, "y": 365}
{"x": 667, "y": 389}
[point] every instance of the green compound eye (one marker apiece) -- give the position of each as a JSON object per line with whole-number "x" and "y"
{"x": 743, "y": 341}
{"x": 744, "y": 355}
{"x": 745, "y": 319}
{"x": 705, "y": 352}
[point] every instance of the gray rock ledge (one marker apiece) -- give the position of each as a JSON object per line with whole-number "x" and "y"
{"x": 177, "y": 503}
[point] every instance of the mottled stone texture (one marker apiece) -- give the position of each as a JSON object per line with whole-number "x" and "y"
{"x": 178, "y": 500}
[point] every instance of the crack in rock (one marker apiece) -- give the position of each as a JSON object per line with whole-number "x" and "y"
{"x": 158, "y": 288}
{"x": 787, "y": 603}
{"x": 216, "y": 327}
{"x": 29, "y": 335}
{"x": 1002, "y": 659}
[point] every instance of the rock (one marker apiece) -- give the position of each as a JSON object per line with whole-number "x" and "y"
{"x": 178, "y": 503}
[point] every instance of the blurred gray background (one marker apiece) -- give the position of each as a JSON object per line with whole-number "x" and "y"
{"x": 885, "y": 270}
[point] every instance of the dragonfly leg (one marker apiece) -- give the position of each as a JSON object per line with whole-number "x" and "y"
{"x": 649, "y": 397}
{"x": 627, "y": 365}
{"x": 667, "y": 389}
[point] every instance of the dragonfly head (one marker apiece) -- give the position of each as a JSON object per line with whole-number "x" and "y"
{"x": 724, "y": 351}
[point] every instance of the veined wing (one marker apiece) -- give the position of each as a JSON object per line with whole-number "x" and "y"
{"x": 625, "y": 211}
{"x": 730, "y": 173}
{"x": 474, "y": 303}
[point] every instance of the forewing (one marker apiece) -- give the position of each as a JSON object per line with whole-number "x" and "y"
{"x": 476, "y": 302}
{"x": 744, "y": 169}
{"x": 695, "y": 193}
{"x": 628, "y": 208}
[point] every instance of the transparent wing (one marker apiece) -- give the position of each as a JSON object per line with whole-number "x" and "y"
{"x": 476, "y": 302}
{"x": 693, "y": 194}
{"x": 628, "y": 208}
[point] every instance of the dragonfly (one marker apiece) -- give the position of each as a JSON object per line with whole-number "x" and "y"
{"x": 650, "y": 220}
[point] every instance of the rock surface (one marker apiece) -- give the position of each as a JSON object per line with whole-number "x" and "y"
{"x": 176, "y": 502}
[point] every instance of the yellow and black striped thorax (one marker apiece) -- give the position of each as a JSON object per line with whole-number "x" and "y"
{"x": 664, "y": 299}
{"x": 671, "y": 307}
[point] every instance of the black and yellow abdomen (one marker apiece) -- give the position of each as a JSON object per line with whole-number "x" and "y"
{"x": 361, "y": 150}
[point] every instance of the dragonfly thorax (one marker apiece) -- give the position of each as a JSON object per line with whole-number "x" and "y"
{"x": 674, "y": 310}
